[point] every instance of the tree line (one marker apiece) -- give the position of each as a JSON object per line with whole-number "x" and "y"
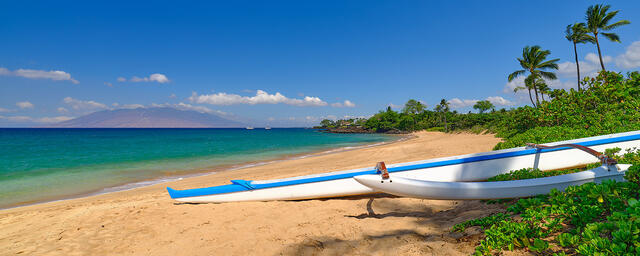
{"x": 535, "y": 64}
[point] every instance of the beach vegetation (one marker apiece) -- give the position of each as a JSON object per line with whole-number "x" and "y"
{"x": 590, "y": 219}
{"x": 532, "y": 173}
{"x": 608, "y": 103}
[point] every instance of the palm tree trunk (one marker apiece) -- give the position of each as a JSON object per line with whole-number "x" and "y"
{"x": 445, "y": 122}
{"x": 535, "y": 88}
{"x": 599, "y": 53}
{"x": 575, "y": 51}
{"x": 532, "y": 103}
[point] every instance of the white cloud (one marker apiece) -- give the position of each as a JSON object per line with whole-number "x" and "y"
{"x": 24, "y": 104}
{"x": 84, "y": 105}
{"x": 55, "y": 75}
{"x": 62, "y": 110}
{"x": 4, "y": 110}
{"x": 185, "y": 106}
{"x": 568, "y": 69}
{"x": 394, "y": 106}
{"x": 510, "y": 86}
{"x": 553, "y": 84}
{"x": 346, "y": 104}
{"x": 201, "y": 109}
{"x": 593, "y": 58}
{"x": 172, "y": 96}
{"x": 160, "y": 78}
{"x": 565, "y": 85}
{"x": 132, "y": 106}
{"x": 457, "y": 103}
{"x": 589, "y": 67}
{"x": 261, "y": 97}
{"x": 36, "y": 120}
{"x": 631, "y": 58}
{"x": 53, "y": 119}
{"x": 499, "y": 101}
{"x": 18, "y": 118}
{"x": 108, "y": 84}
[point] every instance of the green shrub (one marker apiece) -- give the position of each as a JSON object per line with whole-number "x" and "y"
{"x": 591, "y": 219}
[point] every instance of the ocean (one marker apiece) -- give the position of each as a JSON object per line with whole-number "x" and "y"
{"x": 39, "y": 165}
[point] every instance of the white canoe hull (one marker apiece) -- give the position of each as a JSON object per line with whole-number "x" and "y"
{"x": 471, "y": 167}
{"x": 488, "y": 190}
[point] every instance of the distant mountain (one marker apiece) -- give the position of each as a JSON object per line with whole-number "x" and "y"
{"x": 158, "y": 117}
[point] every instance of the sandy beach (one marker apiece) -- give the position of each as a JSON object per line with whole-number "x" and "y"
{"x": 145, "y": 221}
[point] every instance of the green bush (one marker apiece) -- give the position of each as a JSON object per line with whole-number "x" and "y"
{"x": 591, "y": 219}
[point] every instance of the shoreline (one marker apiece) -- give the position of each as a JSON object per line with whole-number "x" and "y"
{"x": 211, "y": 170}
{"x": 146, "y": 221}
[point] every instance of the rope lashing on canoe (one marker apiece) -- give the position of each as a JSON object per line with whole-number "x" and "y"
{"x": 382, "y": 169}
{"x": 604, "y": 159}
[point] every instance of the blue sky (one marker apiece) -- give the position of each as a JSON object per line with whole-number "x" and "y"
{"x": 60, "y": 60}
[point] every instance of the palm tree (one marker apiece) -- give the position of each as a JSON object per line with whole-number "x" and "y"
{"x": 578, "y": 34}
{"x": 598, "y": 20}
{"x": 483, "y": 105}
{"x": 534, "y": 60}
{"x": 413, "y": 107}
{"x": 542, "y": 86}
{"x": 528, "y": 87}
{"x": 443, "y": 108}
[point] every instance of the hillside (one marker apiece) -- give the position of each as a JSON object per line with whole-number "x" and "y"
{"x": 159, "y": 117}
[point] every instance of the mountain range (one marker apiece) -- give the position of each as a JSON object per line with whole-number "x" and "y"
{"x": 152, "y": 117}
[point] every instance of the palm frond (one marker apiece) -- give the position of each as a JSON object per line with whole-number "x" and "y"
{"x": 607, "y": 17}
{"x": 586, "y": 38}
{"x": 617, "y": 24}
{"x": 569, "y": 34}
{"x": 591, "y": 17}
{"x": 550, "y": 64}
{"x": 612, "y": 37}
{"x": 548, "y": 75}
{"x": 523, "y": 63}
{"x": 515, "y": 74}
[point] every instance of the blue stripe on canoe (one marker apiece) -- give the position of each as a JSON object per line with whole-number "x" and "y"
{"x": 240, "y": 185}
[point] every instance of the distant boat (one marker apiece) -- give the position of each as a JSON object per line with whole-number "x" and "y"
{"x": 267, "y": 128}
{"x": 249, "y": 128}
{"x": 472, "y": 167}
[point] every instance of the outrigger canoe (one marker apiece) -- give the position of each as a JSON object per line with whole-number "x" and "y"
{"x": 471, "y": 167}
{"x": 490, "y": 190}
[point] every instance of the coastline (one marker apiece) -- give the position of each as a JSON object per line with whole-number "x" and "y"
{"x": 211, "y": 170}
{"x": 145, "y": 220}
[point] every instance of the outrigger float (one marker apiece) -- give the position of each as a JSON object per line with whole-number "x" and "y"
{"x": 451, "y": 175}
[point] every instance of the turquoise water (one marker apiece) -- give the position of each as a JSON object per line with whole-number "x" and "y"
{"x": 39, "y": 165}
